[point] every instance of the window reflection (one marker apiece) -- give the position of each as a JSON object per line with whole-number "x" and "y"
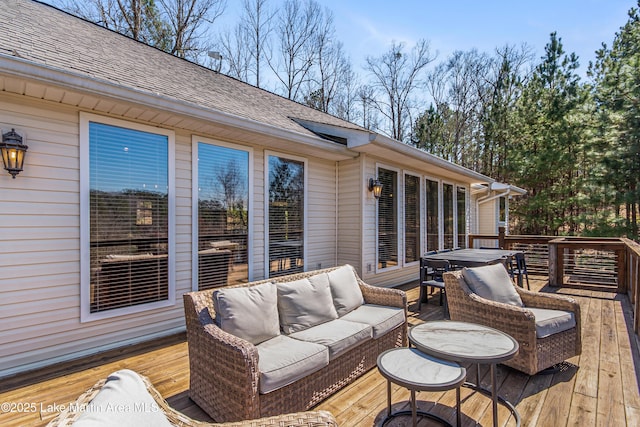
{"x": 223, "y": 215}
{"x": 129, "y": 221}
{"x": 286, "y": 216}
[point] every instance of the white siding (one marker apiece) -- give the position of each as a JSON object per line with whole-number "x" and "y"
{"x": 40, "y": 246}
{"x": 350, "y": 197}
{"x": 40, "y": 240}
{"x": 488, "y": 218}
{"x": 321, "y": 214}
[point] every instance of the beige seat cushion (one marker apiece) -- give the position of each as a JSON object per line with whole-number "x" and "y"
{"x": 250, "y": 313}
{"x": 493, "y": 283}
{"x": 382, "y": 319}
{"x": 305, "y": 303}
{"x": 338, "y": 335}
{"x": 123, "y": 401}
{"x": 283, "y": 360}
{"x": 549, "y": 322}
{"x": 345, "y": 290}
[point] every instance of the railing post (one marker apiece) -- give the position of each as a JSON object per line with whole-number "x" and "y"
{"x": 501, "y": 239}
{"x": 622, "y": 269}
{"x": 556, "y": 261}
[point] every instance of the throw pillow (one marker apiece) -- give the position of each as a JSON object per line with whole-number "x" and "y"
{"x": 250, "y": 313}
{"x": 345, "y": 290}
{"x": 305, "y": 303}
{"x": 492, "y": 282}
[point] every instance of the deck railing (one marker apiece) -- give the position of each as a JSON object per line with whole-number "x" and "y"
{"x": 595, "y": 263}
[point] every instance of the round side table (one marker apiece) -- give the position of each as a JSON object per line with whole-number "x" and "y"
{"x": 464, "y": 342}
{"x": 417, "y": 371}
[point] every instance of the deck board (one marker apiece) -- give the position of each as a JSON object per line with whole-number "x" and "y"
{"x": 600, "y": 387}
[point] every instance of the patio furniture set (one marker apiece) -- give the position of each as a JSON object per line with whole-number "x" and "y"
{"x": 281, "y": 345}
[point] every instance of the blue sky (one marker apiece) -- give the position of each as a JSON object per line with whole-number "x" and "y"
{"x": 367, "y": 27}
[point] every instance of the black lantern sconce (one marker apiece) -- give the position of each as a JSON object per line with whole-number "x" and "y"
{"x": 376, "y": 187}
{"x": 13, "y": 151}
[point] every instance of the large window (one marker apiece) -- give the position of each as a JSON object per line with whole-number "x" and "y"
{"x": 411, "y": 218}
{"x": 388, "y": 219}
{"x": 461, "y": 196}
{"x": 447, "y": 216}
{"x": 433, "y": 228}
{"x": 127, "y": 232}
{"x": 223, "y": 215}
{"x": 286, "y": 214}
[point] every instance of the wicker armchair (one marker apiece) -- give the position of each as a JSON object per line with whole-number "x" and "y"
{"x": 301, "y": 419}
{"x": 535, "y": 353}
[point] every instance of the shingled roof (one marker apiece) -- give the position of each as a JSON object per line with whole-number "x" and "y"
{"x": 44, "y": 35}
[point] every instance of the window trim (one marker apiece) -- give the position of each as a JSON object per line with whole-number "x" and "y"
{"x": 305, "y": 217}
{"x": 85, "y": 267}
{"x": 421, "y": 217}
{"x": 195, "y": 140}
{"x": 399, "y": 220}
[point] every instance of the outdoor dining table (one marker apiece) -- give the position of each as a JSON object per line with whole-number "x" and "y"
{"x": 473, "y": 257}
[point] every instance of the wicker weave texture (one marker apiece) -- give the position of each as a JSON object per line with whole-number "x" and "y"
{"x": 301, "y": 419}
{"x": 535, "y": 354}
{"x": 224, "y": 371}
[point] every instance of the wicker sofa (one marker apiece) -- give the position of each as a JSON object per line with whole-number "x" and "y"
{"x": 126, "y": 398}
{"x": 540, "y": 346}
{"x": 234, "y": 379}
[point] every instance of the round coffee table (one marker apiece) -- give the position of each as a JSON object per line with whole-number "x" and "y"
{"x": 416, "y": 371}
{"x": 464, "y": 342}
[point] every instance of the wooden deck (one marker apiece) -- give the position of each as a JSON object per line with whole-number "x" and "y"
{"x": 599, "y": 388}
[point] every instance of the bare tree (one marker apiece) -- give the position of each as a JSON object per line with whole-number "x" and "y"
{"x": 366, "y": 94}
{"x": 396, "y": 76}
{"x": 232, "y": 46}
{"x": 190, "y": 20}
{"x": 295, "y": 29}
{"x": 331, "y": 66}
{"x": 175, "y": 26}
{"x": 257, "y": 22}
{"x": 346, "y": 99}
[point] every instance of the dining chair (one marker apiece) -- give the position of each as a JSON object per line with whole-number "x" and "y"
{"x": 435, "y": 269}
{"x": 519, "y": 270}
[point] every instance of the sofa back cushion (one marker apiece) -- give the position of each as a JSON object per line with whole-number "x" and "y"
{"x": 250, "y": 313}
{"x": 305, "y": 303}
{"x": 345, "y": 290}
{"x": 493, "y": 283}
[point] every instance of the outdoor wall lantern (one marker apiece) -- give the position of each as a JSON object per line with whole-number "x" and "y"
{"x": 376, "y": 187}
{"x": 13, "y": 151}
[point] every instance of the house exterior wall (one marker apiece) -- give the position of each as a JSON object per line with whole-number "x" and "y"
{"x": 350, "y": 200}
{"x": 40, "y": 240}
{"x": 488, "y": 217}
{"x": 406, "y": 271}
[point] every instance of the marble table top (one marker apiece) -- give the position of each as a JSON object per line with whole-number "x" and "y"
{"x": 418, "y": 371}
{"x": 463, "y": 342}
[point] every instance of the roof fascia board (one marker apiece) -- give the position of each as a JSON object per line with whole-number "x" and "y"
{"x": 43, "y": 74}
{"x": 407, "y": 150}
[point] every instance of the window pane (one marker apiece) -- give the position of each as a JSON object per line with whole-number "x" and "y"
{"x": 447, "y": 215}
{"x": 503, "y": 208}
{"x": 286, "y": 216}
{"x": 462, "y": 217}
{"x": 411, "y": 218}
{"x": 129, "y": 223}
{"x": 432, "y": 215}
{"x": 223, "y": 215}
{"x": 388, "y": 219}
